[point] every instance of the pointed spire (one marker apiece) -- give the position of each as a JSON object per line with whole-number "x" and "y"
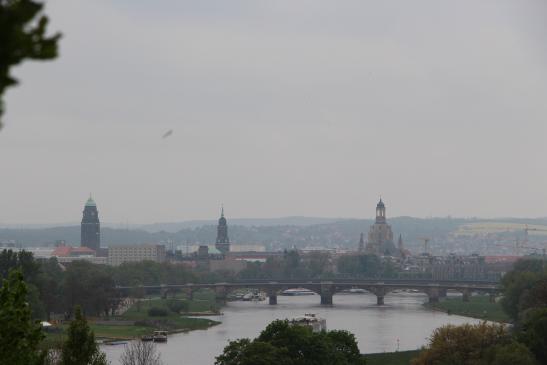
{"x": 90, "y": 202}
{"x": 222, "y": 210}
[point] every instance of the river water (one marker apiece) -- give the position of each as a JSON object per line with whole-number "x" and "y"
{"x": 402, "y": 321}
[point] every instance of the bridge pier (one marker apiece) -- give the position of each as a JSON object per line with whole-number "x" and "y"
{"x": 220, "y": 293}
{"x": 433, "y": 295}
{"x": 327, "y": 291}
{"x": 379, "y": 300}
{"x": 272, "y": 296}
{"x": 442, "y": 293}
{"x": 466, "y": 295}
{"x": 380, "y": 293}
{"x": 326, "y": 299}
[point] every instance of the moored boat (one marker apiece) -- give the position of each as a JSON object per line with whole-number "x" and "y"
{"x": 310, "y": 320}
{"x": 160, "y": 336}
{"x": 297, "y": 291}
{"x": 147, "y": 338}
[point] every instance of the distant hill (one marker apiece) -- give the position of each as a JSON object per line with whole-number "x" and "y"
{"x": 277, "y": 234}
{"x": 246, "y": 222}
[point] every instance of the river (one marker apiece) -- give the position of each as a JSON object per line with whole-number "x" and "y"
{"x": 402, "y": 321}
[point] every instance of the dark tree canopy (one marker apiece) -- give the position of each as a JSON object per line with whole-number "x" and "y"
{"x": 481, "y": 344}
{"x": 20, "y": 336}
{"x": 22, "y": 36}
{"x": 283, "y": 343}
{"x": 80, "y": 347}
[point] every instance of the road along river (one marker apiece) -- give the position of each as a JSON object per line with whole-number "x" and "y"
{"x": 402, "y": 322}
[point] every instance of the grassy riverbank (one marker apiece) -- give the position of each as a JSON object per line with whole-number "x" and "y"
{"x": 391, "y": 358}
{"x": 138, "y": 321}
{"x": 477, "y": 307}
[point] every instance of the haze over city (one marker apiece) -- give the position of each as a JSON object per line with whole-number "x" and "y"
{"x": 312, "y": 108}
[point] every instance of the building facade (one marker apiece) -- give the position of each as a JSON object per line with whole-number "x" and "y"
{"x": 223, "y": 241}
{"x": 117, "y": 255}
{"x": 380, "y": 236}
{"x": 90, "y": 227}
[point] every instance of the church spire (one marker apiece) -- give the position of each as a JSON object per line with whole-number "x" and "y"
{"x": 223, "y": 241}
{"x": 362, "y": 243}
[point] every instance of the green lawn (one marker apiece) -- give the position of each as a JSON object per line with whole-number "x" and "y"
{"x": 145, "y": 324}
{"x": 391, "y": 358}
{"x": 478, "y": 307}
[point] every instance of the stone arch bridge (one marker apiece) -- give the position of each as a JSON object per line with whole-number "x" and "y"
{"x": 327, "y": 289}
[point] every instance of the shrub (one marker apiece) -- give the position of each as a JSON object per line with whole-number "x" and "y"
{"x": 157, "y": 312}
{"x": 177, "y": 306}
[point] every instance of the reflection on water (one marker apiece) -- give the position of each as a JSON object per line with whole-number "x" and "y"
{"x": 376, "y": 328}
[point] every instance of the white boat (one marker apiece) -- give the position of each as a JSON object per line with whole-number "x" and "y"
{"x": 297, "y": 291}
{"x": 310, "y": 320}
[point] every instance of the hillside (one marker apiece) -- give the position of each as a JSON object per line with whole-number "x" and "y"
{"x": 447, "y": 234}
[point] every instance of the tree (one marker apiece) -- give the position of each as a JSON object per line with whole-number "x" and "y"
{"x": 246, "y": 352}
{"x": 89, "y": 286}
{"x": 481, "y": 344}
{"x": 524, "y": 287}
{"x": 533, "y": 333}
{"x": 20, "y": 336}
{"x": 283, "y": 343}
{"x": 22, "y": 36}
{"x": 140, "y": 353}
{"x": 511, "y": 354}
{"x": 80, "y": 347}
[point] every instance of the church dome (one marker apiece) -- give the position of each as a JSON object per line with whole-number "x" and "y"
{"x": 380, "y": 204}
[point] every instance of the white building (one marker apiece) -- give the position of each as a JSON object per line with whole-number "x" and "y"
{"x": 117, "y": 255}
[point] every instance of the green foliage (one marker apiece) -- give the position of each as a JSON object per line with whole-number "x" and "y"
{"x": 151, "y": 273}
{"x": 22, "y": 261}
{"x": 19, "y": 335}
{"x": 524, "y": 287}
{"x": 510, "y": 354}
{"x": 80, "y": 347}
{"x": 89, "y": 286}
{"x": 246, "y": 352}
{"x": 478, "y": 307}
{"x": 365, "y": 266}
{"x": 464, "y": 344}
{"x": 22, "y": 36}
{"x": 283, "y": 343}
{"x": 533, "y": 333}
{"x": 157, "y": 312}
{"x": 177, "y": 306}
{"x": 391, "y": 358}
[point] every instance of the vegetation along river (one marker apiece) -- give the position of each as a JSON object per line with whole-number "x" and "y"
{"x": 401, "y": 323}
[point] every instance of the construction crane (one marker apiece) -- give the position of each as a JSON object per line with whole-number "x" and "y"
{"x": 526, "y": 230}
{"x": 426, "y": 243}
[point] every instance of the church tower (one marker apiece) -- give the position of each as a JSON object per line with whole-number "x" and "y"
{"x": 91, "y": 227}
{"x": 223, "y": 242}
{"x": 362, "y": 243}
{"x": 380, "y": 236}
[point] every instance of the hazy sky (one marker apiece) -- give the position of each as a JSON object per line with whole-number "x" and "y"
{"x": 281, "y": 108}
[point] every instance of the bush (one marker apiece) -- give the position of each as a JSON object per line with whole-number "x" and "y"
{"x": 177, "y": 306}
{"x": 157, "y": 312}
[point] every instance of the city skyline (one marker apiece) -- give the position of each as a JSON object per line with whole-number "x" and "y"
{"x": 286, "y": 109}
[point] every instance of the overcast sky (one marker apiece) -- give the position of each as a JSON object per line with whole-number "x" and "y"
{"x": 281, "y": 108}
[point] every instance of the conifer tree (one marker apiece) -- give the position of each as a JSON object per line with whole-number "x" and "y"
{"x": 20, "y": 336}
{"x": 80, "y": 347}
